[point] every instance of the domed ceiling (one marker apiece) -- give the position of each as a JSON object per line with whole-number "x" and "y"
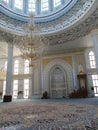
{"x": 44, "y": 10}
{"x": 60, "y": 20}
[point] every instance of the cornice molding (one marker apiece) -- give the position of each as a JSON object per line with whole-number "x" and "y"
{"x": 61, "y": 52}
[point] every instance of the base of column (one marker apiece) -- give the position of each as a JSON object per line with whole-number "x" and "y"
{"x": 7, "y": 98}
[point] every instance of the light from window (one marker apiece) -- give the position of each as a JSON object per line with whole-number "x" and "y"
{"x": 26, "y": 88}
{"x": 16, "y": 67}
{"x": 44, "y": 5}
{"x": 18, "y": 4}
{"x": 7, "y": 1}
{"x": 31, "y": 5}
{"x": 5, "y": 66}
{"x": 95, "y": 84}
{"x": 4, "y": 88}
{"x": 15, "y": 88}
{"x": 57, "y": 3}
{"x": 92, "y": 60}
{"x": 26, "y": 66}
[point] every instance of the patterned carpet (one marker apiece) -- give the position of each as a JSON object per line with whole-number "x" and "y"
{"x": 49, "y": 115}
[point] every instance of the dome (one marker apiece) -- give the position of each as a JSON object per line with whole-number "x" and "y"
{"x": 61, "y": 21}
{"x": 44, "y": 10}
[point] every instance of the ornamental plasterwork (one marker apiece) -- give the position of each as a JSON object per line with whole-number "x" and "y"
{"x": 79, "y": 31}
{"x": 67, "y": 20}
{"x": 58, "y": 30}
{"x": 77, "y": 12}
{"x": 67, "y": 68}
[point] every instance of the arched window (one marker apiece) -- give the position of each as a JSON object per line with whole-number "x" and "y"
{"x": 95, "y": 84}
{"x": 5, "y": 66}
{"x": 7, "y": 1}
{"x": 4, "y": 87}
{"x": 44, "y": 5}
{"x": 92, "y": 60}
{"x": 26, "y": 88}
{"x": 15, "y": 88}
{"x": 26, "y": 66}
{"x": 31, "y": 5}
{"x": 16, "y": 67}
{"x": 57, "y": 3}
{"x": 18, "y": 4}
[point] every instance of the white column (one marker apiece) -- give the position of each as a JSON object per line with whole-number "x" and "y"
{"x": 95, "y": 43}
{"x": 74, "y": 72}
{"x": 9, "y": 70}
{"x": 32, "y": 82}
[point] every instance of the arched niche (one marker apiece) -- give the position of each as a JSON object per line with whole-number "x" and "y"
{"x": 58, "y": 82}
{"x": 67, "y": 73}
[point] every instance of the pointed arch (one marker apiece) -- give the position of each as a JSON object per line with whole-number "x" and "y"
{"x": 58, "y": 82}
{"x": 67, "y": 70}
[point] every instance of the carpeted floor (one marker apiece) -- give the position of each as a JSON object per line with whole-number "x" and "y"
{"x": 56, "y": 114}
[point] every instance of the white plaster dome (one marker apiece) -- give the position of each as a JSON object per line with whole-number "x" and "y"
{"x": 44, "y": 10}
{"x": 68, "y": 20}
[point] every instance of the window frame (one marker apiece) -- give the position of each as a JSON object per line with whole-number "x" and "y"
{"x": 95, "y": 83}
{"x": 26, "y": 88}
{"x": 15, "y": 90}
{"x": 31, "y": 6}
{"x": 26, "y": 67}
{"x": 18, "y": 5}
{"x": 16, "y": 66}
{"x": 57, "y": 3}
{"x": 7, "y": 1}
{"x": 92, "y": 60}
{"x": 4, "y": 88}
{"x": 44, "y": 5}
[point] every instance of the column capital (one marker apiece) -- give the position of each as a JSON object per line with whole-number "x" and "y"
{"x": 10, "y": 45}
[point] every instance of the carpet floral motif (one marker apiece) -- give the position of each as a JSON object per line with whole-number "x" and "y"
{"x": 48, "y": 116}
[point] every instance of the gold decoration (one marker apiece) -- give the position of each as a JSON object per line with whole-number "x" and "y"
{"x": 81, "y": 72}
{"x": 65, "y": 58}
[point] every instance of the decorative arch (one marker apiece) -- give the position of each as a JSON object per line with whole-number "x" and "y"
{"x": 58, "y": 82}
{"x": 67, "y": 72}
